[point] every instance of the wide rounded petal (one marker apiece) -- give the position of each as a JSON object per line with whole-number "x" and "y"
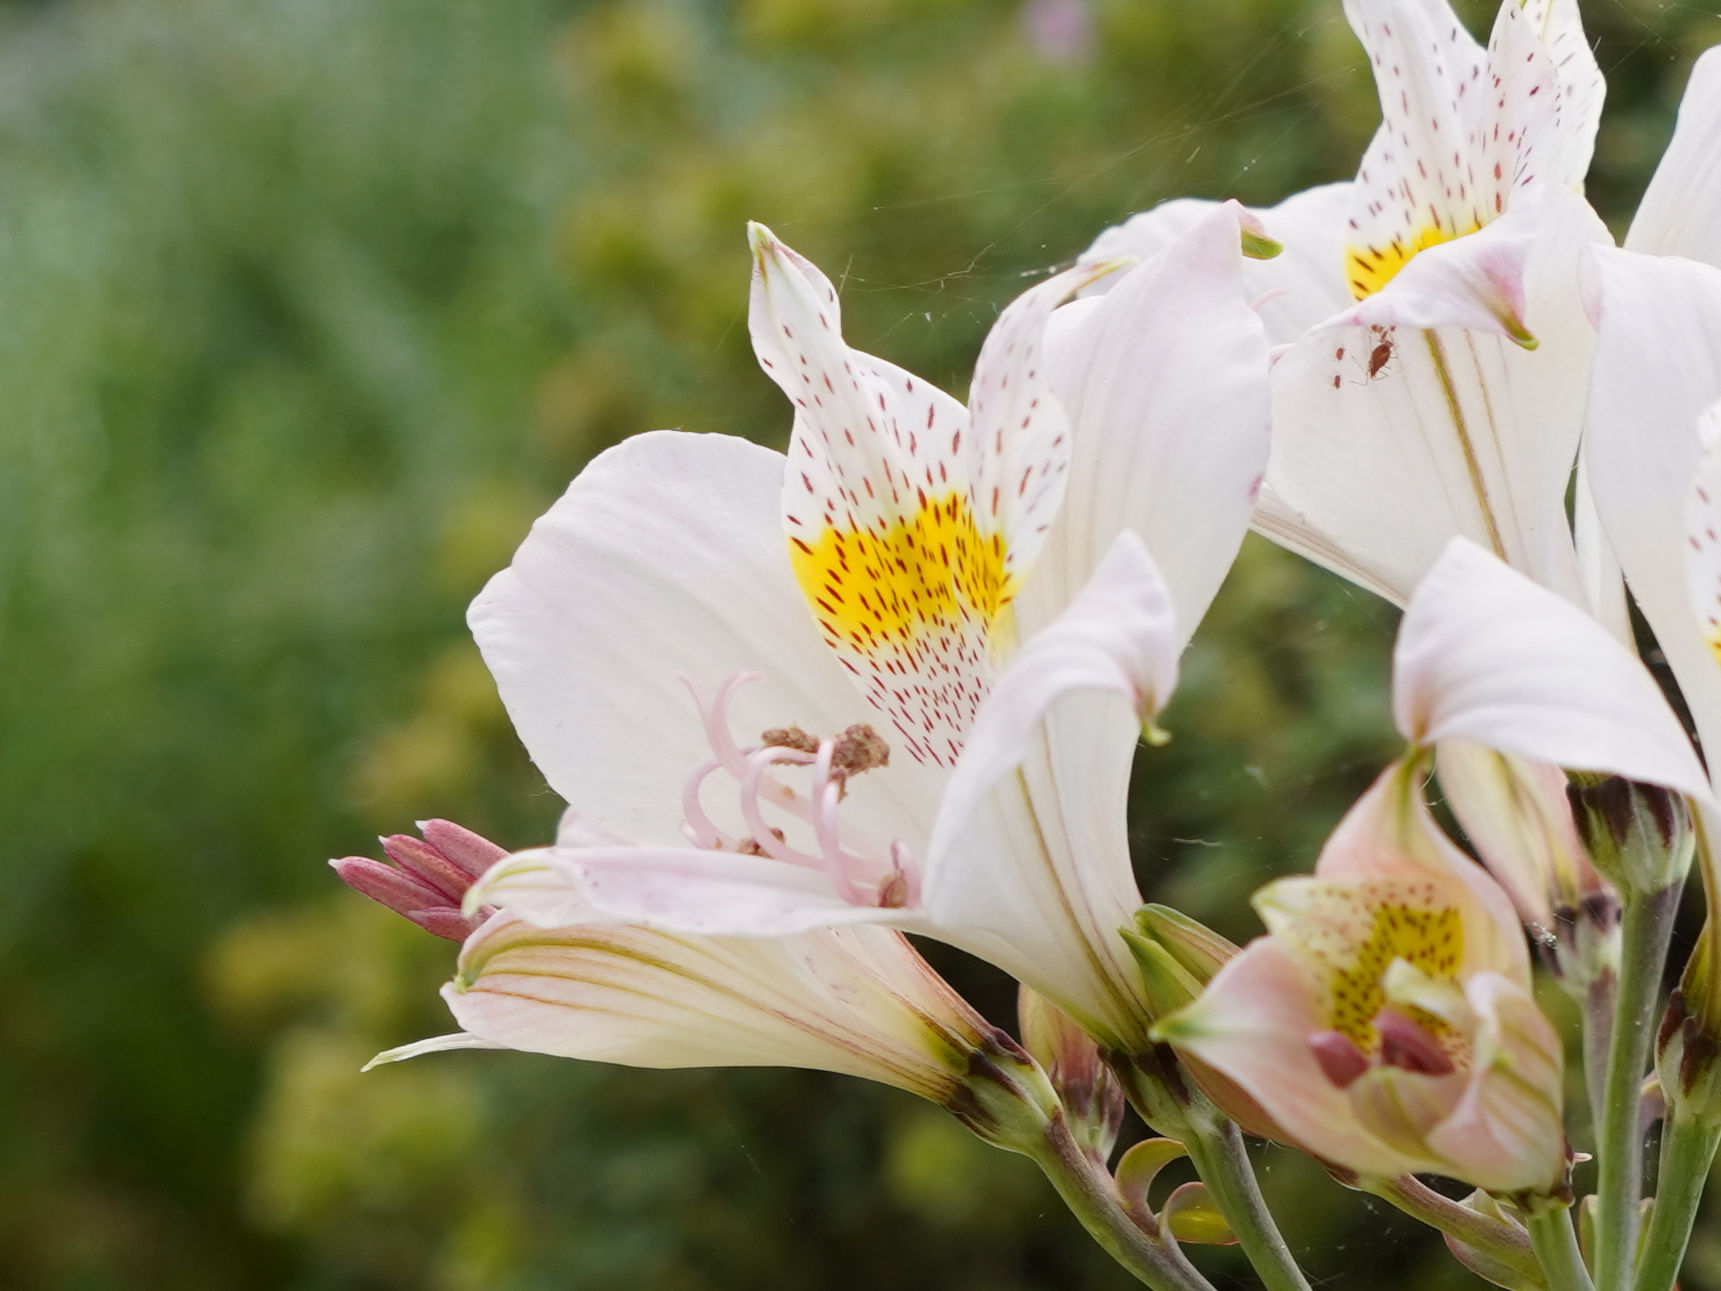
{"x": 1391, "y": 434}
{"x": 1029, "y": 864}
{"x": 1165, "y": 382}
{"x": 1657, "y": 369}
{"x": 1485, "y": 655}
{"x": 665, "y": 560}
{"x": 1680, "y": 214}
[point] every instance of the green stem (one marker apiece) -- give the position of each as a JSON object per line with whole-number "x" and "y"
{"x": 1159, "y": 1091}
{"x": 1503, "y": 1244}
{"x": 1687, "y": 1149}
{"x": 1556, "y": 1247}
{"x": 1645, "y": 931}
{"x": 1600, "y": 1003}
{"x": 1093, "y": 1198}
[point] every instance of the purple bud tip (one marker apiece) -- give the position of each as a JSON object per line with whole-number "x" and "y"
{"x": 1339, "y": 1058}
{"x": 1406, "y": 1044}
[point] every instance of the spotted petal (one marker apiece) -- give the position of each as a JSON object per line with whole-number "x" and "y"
{"x": 910, "y": 521}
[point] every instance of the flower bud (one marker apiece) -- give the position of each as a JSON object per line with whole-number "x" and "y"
{"x": 1639, "y": 836}
{"x": 1177, "y": 956}
{"x": 429, "y": 878}
{"x": 1092, "y": 1097}
{"x": 1688, "y": 1061}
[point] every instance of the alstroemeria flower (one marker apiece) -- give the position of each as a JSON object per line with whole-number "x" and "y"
{"x": 1431, "y": 381}
{"x": 899, "y": 674}
{"x": 1385, "y": 1023}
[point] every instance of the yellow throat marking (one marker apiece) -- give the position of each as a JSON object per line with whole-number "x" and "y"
{"x": 889, "y": 585}
{"x": 1368, "y": 269}
{"x": 1431, "y": 940}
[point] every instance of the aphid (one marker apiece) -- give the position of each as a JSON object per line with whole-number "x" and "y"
{"x": 1382, "y": 353}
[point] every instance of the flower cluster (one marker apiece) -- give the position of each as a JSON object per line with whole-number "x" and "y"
{"x": 892, "y": 682}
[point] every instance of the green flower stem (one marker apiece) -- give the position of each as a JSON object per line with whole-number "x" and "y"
{"x": 1600, "y": 1002}
{"x": 1504, "y": 1244}
{"x": 1645, "y": 931}
{"x": 1556, "y": 1246}
{"x": 1093, "y": 1198}
{"x": 1688, "y": 1146}
{"x": 1158, "y": 1090}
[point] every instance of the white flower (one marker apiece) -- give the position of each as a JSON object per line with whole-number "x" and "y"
{"x": 900, "y": 757}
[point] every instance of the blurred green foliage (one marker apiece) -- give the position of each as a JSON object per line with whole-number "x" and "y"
{"x": 307, "y": 307}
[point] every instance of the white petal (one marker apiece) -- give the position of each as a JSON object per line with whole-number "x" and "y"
{"x": 1029, "y": 864}
{"x": 857, "y": 1001}
{"x": 1165, "y": 381}
{"x": 1388, "y": 441}
{"x": 1486, "y": 655}
{"x": 434, "y": 1044}
{"x": 909, "y": 521}
{"x": 665, "y": 559}
{"x": 1657, "y": 369}
{"x": 1680, "y": 214}
{"x": 1294, "y": 290}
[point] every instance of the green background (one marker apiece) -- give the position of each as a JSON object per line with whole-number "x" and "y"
{"x": 307, "y": 308}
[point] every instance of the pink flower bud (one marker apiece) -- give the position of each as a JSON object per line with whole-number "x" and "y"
{"x": 429, "y": 878}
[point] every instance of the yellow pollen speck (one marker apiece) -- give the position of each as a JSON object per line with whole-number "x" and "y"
{"x": 1368, "y": 269}
{"x": 874, "y": 588}
{"x": 1431, "y": 940}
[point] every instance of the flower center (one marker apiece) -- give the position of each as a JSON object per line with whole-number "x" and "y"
{"x": 1370, "y": 268}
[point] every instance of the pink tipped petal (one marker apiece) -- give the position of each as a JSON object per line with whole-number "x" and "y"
{"x": 1029, "y": 861}
{"x": 1484, "y": 654}
{"x": 1680, "y": 214}
{"x": 1657, "y": 369}
{"x": 1164, "y": 379}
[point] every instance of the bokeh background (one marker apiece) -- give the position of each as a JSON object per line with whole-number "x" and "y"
{"x": 307, "y": 308}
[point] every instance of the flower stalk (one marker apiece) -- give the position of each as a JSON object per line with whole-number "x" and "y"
{"x": 1556, "y": 1245}
{"x": 1159, "y": 1091}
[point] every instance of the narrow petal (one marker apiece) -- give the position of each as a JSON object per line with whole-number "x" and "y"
{"x": 1680, "y": 214}
{"x": 1029, "y": 861}
{"x": 435, "y": 1044}
{"x": 1485, "y": 655}
{"x": 1253, "y": 1024}
{"x": 664, "y": 561}
{"x": 1165, "y": 381}
{"x": 909, "y": 520}
{"x": 1294, "y": 290}
{"x": 857, "y": 1001}
{"x": 1389, "y": 439}
{"x": 1657, "y": 370}
{"x": 1464, "y": 133}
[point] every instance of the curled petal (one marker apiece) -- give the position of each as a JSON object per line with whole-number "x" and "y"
{"x": 1029, "y": 862}
{"x": 1486, "y": 655}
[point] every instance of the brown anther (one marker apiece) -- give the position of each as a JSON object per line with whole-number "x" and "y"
{"x": 858, "y": 749}
{"x": 893, "y": 892}
{"x": 752, "y": 846}
{"x": 789, "y": 737}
